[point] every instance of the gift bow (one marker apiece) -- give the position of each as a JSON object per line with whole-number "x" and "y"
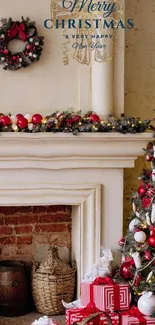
{"x": 103, "y": 281}
{"x": 134, "y": 312}
{"x": 18, "y": 30}
{"x": 116, "y": 290}
{"x": 93, "y": 312}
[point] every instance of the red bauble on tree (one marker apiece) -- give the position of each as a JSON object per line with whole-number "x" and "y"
{"x": 146, "y": 201}
{"x": 5, "y": 120}
{"x": 125, "y": 271}
{"x": 94, "y": 118}
{"x": 121, "y": 242}
{"x": 151, "y": 241}
{"x": 37, "y": 118}
{"x": 22, "y": 123}
{"x": 141, "y": 190}
{"x": 147, "y": 256}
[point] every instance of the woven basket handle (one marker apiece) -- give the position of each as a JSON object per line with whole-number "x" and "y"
{"x": 90, "y": 317}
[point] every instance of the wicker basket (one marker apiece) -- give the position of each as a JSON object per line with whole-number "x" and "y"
{"x": 52, "y": 282}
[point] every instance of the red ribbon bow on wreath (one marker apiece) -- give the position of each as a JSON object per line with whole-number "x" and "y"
{"x": 17, "y": 30}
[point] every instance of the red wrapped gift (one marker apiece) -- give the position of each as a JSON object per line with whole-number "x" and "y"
{"x": 92, "y": 315}
{"x": 134, "y": 317}
{"x": 106, "y": 294}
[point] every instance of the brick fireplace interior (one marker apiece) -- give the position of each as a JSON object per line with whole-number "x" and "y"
{"x": 26, "y": 232}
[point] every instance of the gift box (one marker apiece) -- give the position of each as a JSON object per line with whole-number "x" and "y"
{"x": 100, "y": 318}
{"x": 106, "y": 294}
{"x": 134, "y": 317}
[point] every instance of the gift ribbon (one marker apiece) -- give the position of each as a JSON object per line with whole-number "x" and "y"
{"x": 134, "y": 312}
{"x": 93, "y": 312}
{"x": 18, "y": 30}
{"x": 106, "y": 281}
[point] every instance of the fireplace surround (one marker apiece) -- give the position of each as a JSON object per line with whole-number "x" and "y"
{"x": 84, "y": 171}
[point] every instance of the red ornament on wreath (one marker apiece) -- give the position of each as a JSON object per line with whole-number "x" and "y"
{"x": 22, "y": 123}
{"x": 94, "y": 118}
{"x": 149, "y": 158}
{"x": 125, "y": 271}
{"x": 25, "y": 31}
{"x": 5, "y": 120}
{"x": 141, "y": 190}
{"x": 37, "y": 118}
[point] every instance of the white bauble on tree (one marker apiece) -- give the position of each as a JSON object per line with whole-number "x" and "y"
{"x": 133, "y": 223}
{"x": 140, "y": 236}
{"x": 146, "y": 304}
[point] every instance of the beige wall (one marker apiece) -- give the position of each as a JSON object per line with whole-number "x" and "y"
{"x": 139, "y": 78}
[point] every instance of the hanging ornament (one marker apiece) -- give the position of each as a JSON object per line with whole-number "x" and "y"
{"x": 138, "y": 280}
{"x": 121, "y": 242}
{"x": 22, "y": 123}
{"x": 147, "y": 219}
{"x": 134, "y": 207}
{"x": 146, "y": 201}
{"x": 94, "y": 118}
{"x": 141, "y": 190}
{"x": 5, "y": 120}
{"x": 150, "y": 191}
{"x": 150, "y": 275}
{"x": 140, "y": 236}
{"x": 153, "y": 213}
{"x": 137, "y": 260}
{"x": 133, "y": 223}
{"x": 147, "y": 256}
{"x": 37, "y": 118}
{"x": 151, "y": 241}
{"x": 146, "y": 304}
{"x": 125, "y": 270}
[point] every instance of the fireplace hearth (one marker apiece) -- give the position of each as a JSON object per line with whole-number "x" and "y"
{"x": 84, "y": 171}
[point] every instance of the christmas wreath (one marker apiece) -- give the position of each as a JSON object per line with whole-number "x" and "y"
{"x": 26, "y": 31}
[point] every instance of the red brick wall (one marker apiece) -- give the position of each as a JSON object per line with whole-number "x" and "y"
{"x": 27, "y": 232}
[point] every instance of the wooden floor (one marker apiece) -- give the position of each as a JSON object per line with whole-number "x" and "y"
{"x": 27, "y": 319}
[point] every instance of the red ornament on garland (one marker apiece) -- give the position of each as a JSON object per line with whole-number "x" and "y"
{"x": 76, "y": 119}
{"x": 141, "y": 190}
{"x": 151, "y": 241}
{"x": 5, "y": 120}
{"x": 94, "y": 118}
{"x": 125, "y": 270}
{"x": 146, "y": 201}
{"x": 37, "y": 118}
{"x": 19, "y": 116}
{"x": 22, "y": 123}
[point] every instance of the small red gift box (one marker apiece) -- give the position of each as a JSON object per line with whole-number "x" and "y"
{"x": 134, "y": 317}
{"x": 79, "y": 314}
{"x": 106, "y": 294}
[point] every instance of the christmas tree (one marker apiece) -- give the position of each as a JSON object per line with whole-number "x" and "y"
{"x": 138, "y": 246}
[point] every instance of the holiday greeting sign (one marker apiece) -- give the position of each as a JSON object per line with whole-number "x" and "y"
{"x": 88, "y": 27}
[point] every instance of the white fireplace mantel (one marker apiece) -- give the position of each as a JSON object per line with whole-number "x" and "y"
{"x": 85, "y": 171}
